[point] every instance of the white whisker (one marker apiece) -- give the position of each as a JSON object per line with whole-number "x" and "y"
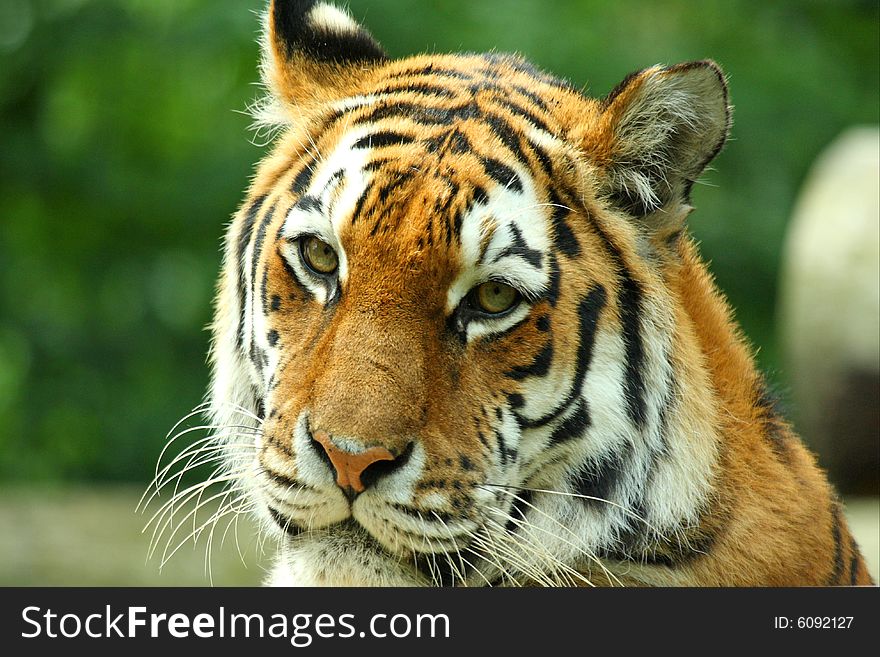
{"x": 580, "y": 548}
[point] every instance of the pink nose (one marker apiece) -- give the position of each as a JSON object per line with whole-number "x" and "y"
{"x": 350, "y": 466}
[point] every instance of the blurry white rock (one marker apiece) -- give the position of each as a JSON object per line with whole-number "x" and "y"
{"x": 830, "y": 309}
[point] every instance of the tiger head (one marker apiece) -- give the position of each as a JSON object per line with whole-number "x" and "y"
{"x": 447, "y": 305}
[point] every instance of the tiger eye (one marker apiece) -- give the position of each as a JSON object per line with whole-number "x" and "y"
{"x": 494, "y": 297}
{"x": 319, "y": 255}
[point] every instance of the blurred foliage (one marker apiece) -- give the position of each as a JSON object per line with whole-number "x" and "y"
{"x": 125, "y": 150}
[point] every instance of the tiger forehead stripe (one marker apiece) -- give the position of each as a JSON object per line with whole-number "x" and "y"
{"x": 372, "y": 137}
{"x": 400, "y": 98}
{"x": 505, "y": 235}
{"x": 488, "y": 226}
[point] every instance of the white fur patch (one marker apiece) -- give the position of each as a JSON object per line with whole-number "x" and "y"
{"x": 505, "y": 208}
{"x": 338, "y": 195}
{"x": 343, "y": 558}
{"x": 352, "y": 102}
{"x": 332, "y": 19}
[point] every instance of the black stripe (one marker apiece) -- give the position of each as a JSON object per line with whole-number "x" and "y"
{"x": 379, "y": 162}
{"x": 429, "y": 232}
{"x": 304, "y": 177}
{"x": 359, "y": 206}
{"x": 308, "y": 203}
{"x": 768, "y": 399}
{"x": 264, "y": 293}
{"x": 388, "y": 188}
{"x": 383, "y": 138}
{"x": 630, "y": 307}
{"x": 780, "y": 442}
{"x": 281, "y": 479}
{"x": 502, "y": 447}
{"x": 518, "y": 510}
{"x": 259, "y": 238}
{"x": 501, "y": 173}
{"x": 453, "y": 141}
{"x": 432, "y": 70}
{"x": 447, "y": 223}
{"x": 480, "y": 196}
{"x": 563, "y": 237}
{"x": 544, "y": 160}
{"x": 598, "y": 479}
{"x": 487, "y": 84}
{"x": 422, "y": 114}
{"x": 775, "y": 431}
{"x": 551, "y": 294}
{"x": 538, "y": 367}
{"x": 283, "y": 522}
{"x": 535, "y": 98}
{"x": 279, "y": 445}
{"x": 522, "y": 112}
{"x": 482, "y": 438}
{"x": 521, "y": 249}
{"x": 854, "y": 563}
{"x": 836, "y": 537}
{"x": 443, "y": 516}
{"x": 630, "y": 300}
{"x": 588, "y": 314}
{"x": 458, "y": 220}
{"x": 382, "y": 224}
{"x": 420, "y": 88}
{"x": 508, "y": 136}
{"x": 573, "y": 426}
{"x": 244, "y": 238}
{"x": 378, "y": 224}
{"x": 258, "y": 357}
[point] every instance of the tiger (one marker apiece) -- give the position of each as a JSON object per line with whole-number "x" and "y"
{"x": 463, "y": 337}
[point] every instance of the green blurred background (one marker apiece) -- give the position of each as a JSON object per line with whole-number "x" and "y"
{"x": 124, "y": 149}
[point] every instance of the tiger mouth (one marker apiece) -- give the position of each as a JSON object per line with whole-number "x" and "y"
{"x": 291, "y": 529}
{"x": 441, "y": 568}
{"x": 287, "y": 526}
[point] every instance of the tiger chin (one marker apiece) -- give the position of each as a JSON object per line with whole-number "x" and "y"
{"x": 466, "y": 339}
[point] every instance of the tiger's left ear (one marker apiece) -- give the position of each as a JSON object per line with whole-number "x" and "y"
{"x": 314, "y": 52}
{"x": 656, "y": 132}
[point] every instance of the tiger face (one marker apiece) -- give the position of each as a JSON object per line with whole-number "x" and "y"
{"x": 446, "y": 299}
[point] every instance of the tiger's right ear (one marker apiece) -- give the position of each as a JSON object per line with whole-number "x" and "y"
{"x": 314, "y": 52}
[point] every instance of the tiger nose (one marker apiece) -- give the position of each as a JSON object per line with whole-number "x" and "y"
{"x": 351, "y": 466}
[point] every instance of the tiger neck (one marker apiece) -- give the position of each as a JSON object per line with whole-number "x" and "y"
{"x": 718, "y": 393}
{"x": 708, "y": 393}
{"x": 734, "y": 379}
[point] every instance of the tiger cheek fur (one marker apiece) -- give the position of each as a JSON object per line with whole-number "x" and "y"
{"x": 479, "y": 347}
